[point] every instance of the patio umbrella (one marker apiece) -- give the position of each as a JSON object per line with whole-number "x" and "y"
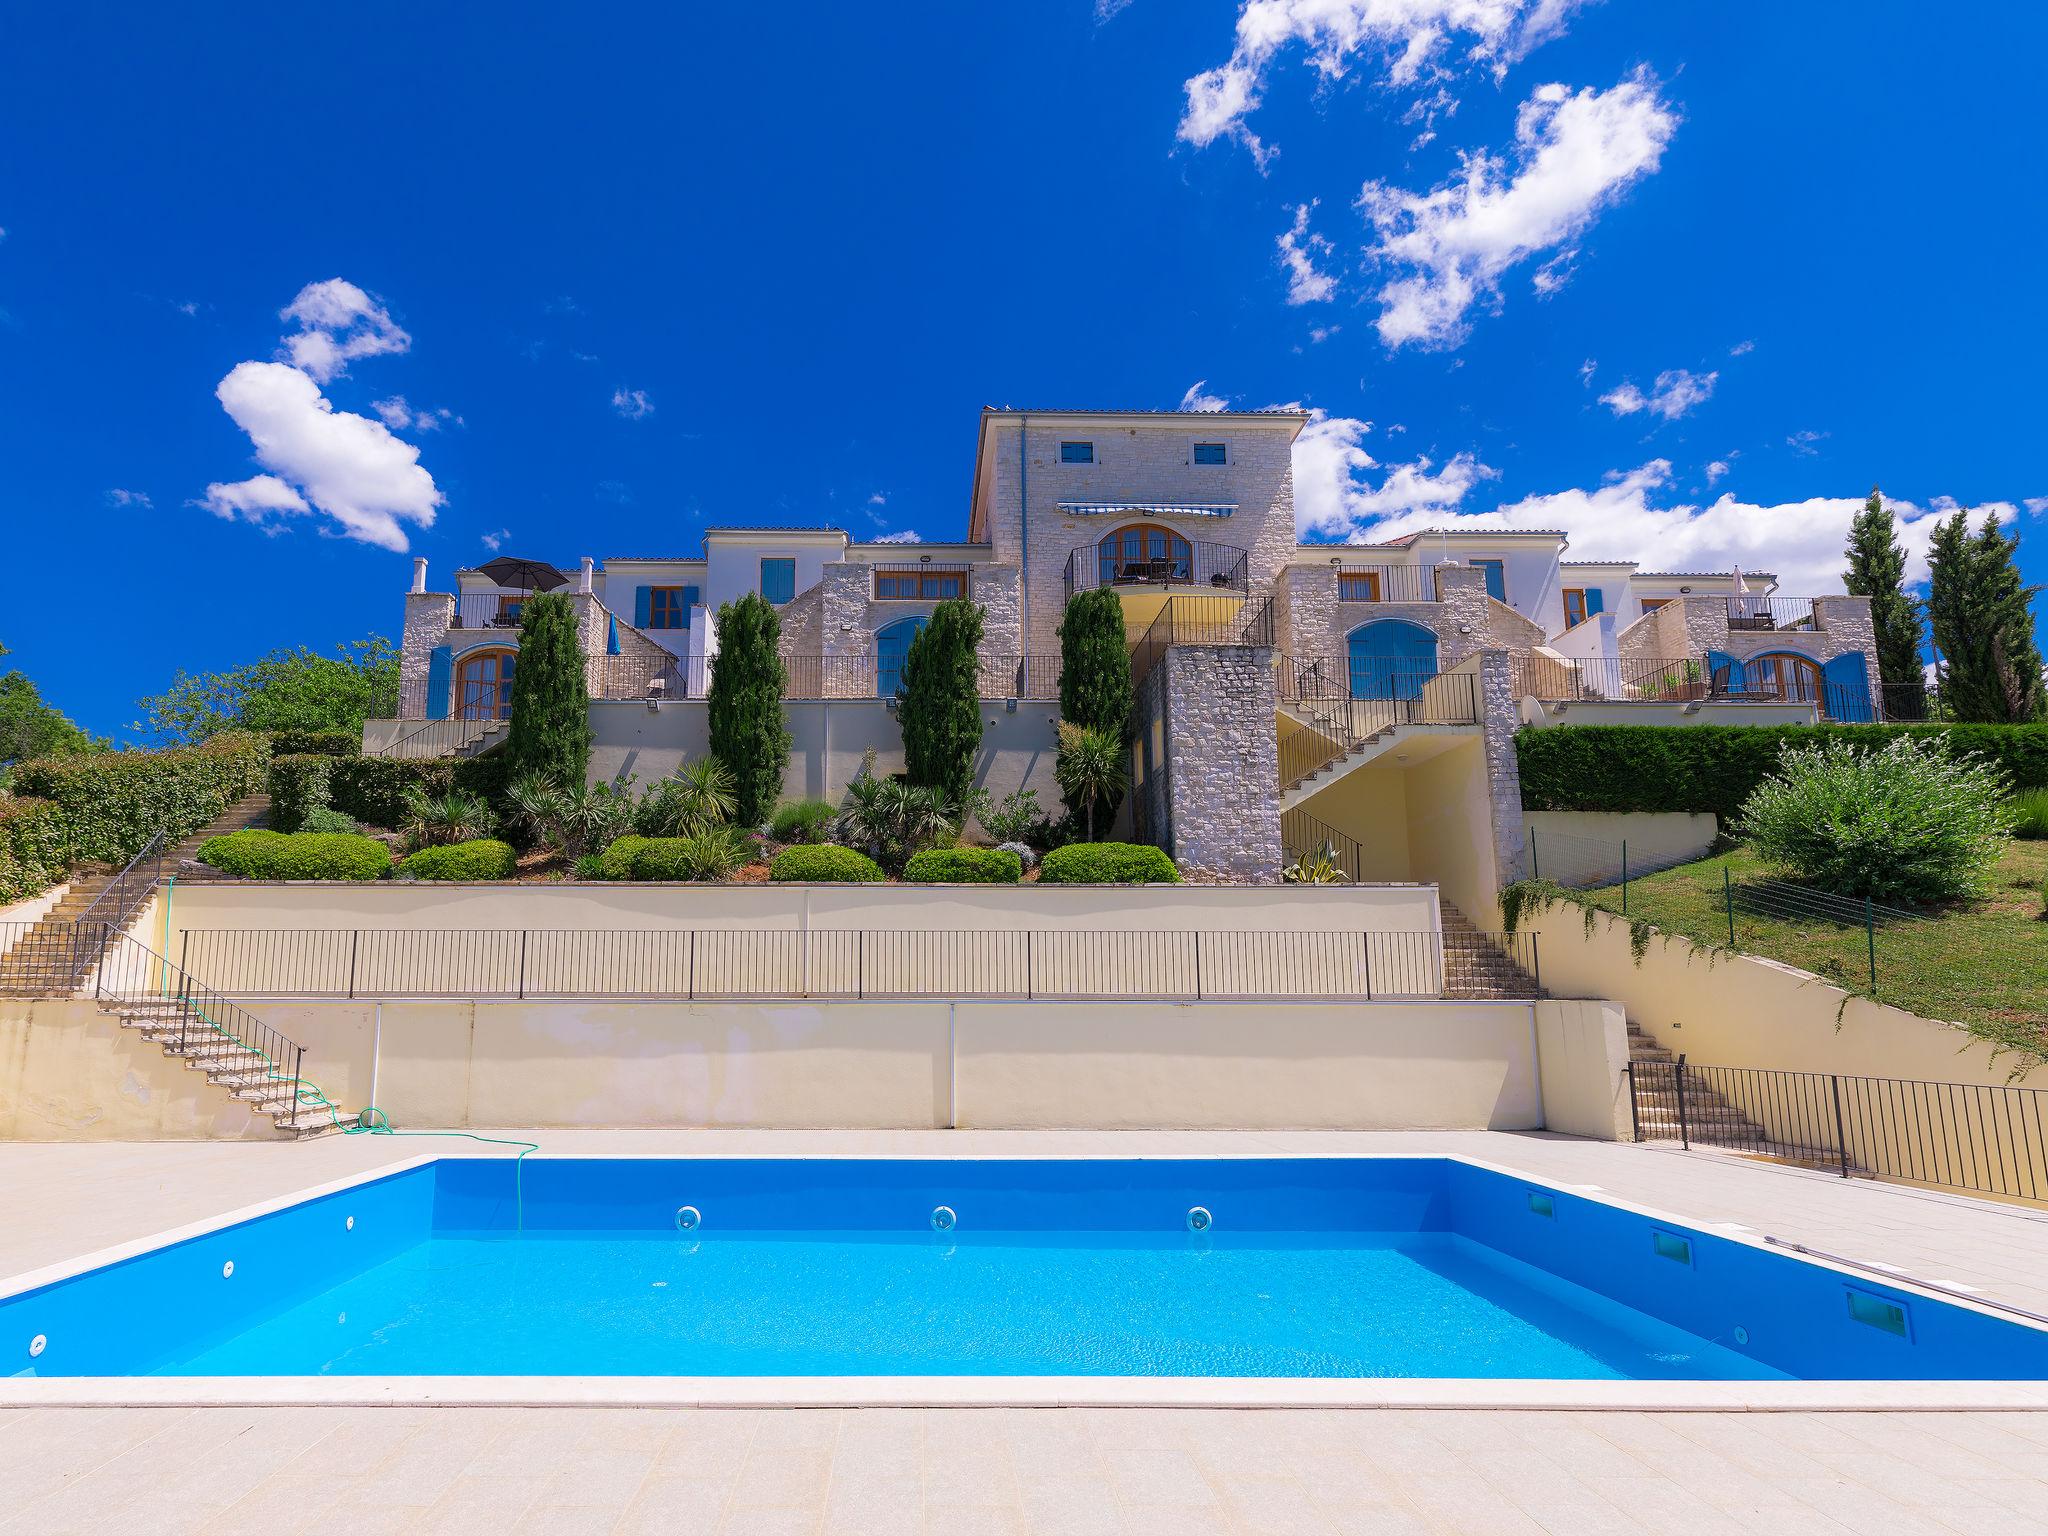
{"x": 523, "y": 575}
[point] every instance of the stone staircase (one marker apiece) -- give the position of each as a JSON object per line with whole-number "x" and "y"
{"x": 446, "y": 739}
{"x": 183, "y": 1029}
{"x": 54, "y": 958}
{"x": 1474, "y": 965}
{"x": 1711, "y": 1122}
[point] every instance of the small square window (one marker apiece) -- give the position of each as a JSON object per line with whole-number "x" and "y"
{"x": 778, "y": 580}
{"x": 1077, "y": 453}
{"x": 1209, "y": 453}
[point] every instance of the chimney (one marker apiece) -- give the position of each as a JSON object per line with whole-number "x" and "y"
{"x": 583, "y": 580}
{"x": 419, "y": 573}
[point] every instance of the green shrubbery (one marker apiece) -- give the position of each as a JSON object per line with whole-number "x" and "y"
{"x": 711, "y": 854}
{"x": 964, "y": 866}
{"x": 1717, "y": 767}
{"x": 802, "y": 821}
{"x": 298, "y": 787}
{"x": 824, "y": 864}
{"x": 484, "y": 859}
{"x": 377, "y": 790}
{"x": 1108, "y": 864}
{"x": 328, "y": 819}
{"x": 115, "y": 802}
{"x": 1914, "y": 821}
{"x": 35, "y": 846}
{"x": 2030, "y": 814}
{"x": 260, "y": 854}
{"x": 318, "y": 743}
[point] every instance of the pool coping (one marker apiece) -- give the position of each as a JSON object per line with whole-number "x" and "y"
{"x": 1026, "y": 1391}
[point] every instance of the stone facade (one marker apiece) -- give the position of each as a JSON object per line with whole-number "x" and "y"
{"x": 1222, "y": 769}
{"x": 427, "y": 618}
{"x": 1499, "y": 720}
{"x": 1315, "y": 622}
{"x": 1693, "y": 626}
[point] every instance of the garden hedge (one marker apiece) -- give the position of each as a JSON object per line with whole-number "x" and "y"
{"x": 1108, "y": 864}
{"x": 298, "y": 787}
{"x": 260, "y": 854}
{"x": 35, "y": 846}
{"x": 964, "y": 866}
{"x": 824, "y": 864}
{"x": 320, "y": 743}
{"x": 374, "y": 790}
{"x": 114, "y": 802}
{"x": 485, "y": 859}
{"x": 1714, "y": 767}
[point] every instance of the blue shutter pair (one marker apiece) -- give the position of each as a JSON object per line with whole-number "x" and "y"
{"x": 1847, "y": 683}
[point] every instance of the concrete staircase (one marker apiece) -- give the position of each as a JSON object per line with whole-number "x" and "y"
{"x": 183, "y": 1030}
{"x": 54, "y": 958}
{"x": 446, "y": 739}
{"x": 1474, "y": 965}
{"x": 1712, "y": 1123}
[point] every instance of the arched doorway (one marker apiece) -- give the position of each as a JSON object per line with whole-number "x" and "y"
{"x": 1784, "y": 675}
{"x": 1144, "y": 552}
{"x": 483, "y": 685}
{"x": 1391, "y": 659}
{"x": 892, "y": 649}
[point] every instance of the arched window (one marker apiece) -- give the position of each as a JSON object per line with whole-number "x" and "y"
{"x": 1784, "y": 675}
{"x": 483, "y": 685}
{"x": 892, "y": 649}
{"x": 1391, "y": 659}
{"x": 1144, "y": 552}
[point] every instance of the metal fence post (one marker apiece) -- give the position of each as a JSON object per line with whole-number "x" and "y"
{"x": 355, "y": 938}
{"x": 522, "y": 964}
{"x": 1366, "y": 941}
{"x": 1635, "y": 1119}
{"x": 1678, "y": 1077}
{"x": 1728, "y": 891}
{"x": 1536, "y": 956}
{"x": 184, "y": 950}
{"x": 1870, "y": 934}
{"x": 1535, "y": 864}
{"x": 1198, "y": 965}
{"x": 1841, "y": 1140}
{"x": 1624, "y": 877}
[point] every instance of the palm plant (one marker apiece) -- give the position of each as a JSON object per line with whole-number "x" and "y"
{"x": 456, "y": 817}
{"x": 701, "y": 795}
{"x": 583, "y": 819}
{"x": 712, "y": 853}
{"x": 891, "y": 821}
{"x": 1090, "y": 770}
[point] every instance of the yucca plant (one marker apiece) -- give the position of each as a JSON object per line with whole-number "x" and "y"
{"x": 584, "y": 819}
{"x": 890, "y": 820}
{"x": 1318, "y": 868}
{"x": 697, "y": 797}
{"x": 1090, "y": 771}
{"x": 456, "y": 817}
{"x": 713, "y": 853}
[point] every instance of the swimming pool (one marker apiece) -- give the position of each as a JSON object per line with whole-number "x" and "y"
{"x": 1340, "y": 1268}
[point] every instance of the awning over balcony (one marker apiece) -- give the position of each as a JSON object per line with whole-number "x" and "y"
{"x": 1148, "y": 508}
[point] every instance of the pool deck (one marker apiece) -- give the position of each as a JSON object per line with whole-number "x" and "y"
{"x": 568, "y": 1469}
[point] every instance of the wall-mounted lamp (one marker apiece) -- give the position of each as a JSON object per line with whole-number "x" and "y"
{"x": 1685, "y": 589}
{"x": 1009, "y": 706}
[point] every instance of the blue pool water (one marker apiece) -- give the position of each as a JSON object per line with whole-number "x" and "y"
{"x": 1423, "y": 1267}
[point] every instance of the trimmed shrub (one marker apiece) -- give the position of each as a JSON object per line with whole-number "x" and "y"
{"x": 114, "y": 802}
{"x": 35, "y": 846}
{"x": 802, "y": 821}
{"x": 824, "y": 864}
{"x": 317, "y": 743}
{"x": 1108, "y": 864}
{"x": 260, "y": 854}
{"x": 712, "y": 854}
{"x": 1913, "y": 822}
{"x": 327, "y": 819}
{"x": 484, "y": 859}
{"x": 964, "y": 866}
{"x": 298, "y": 787}
{"x": 1717, "y": 767}
{"x": 616, "y": 862}
{"x": 377, "y": 790}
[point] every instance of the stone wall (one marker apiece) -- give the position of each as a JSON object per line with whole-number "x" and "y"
{"x": 1222, "y": 761}
{"x": 1314, "y": 622}
{"x": 427, "y": 618}
{"x": 1500, "y": 719}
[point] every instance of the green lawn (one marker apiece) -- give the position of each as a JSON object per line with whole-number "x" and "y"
{"x": 1984, "y": 965}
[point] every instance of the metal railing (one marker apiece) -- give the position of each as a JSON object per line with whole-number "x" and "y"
{"x": 1767, "y": 613}
{"x": 56, "y": 956}
{"x": 1202, "y": 620}
{"x": 189, "y": 1015}
{"x": 1966, "y": 1136}
{"x": 488, "y": 610}
{"x": 690, "y": 964}
{"x": 1679, "y": 680}
{"x": 1386, "y": 583}
{"x": 1336, "y": 718}
{"x": 1302, "y": 836}
{"x": 1914, "y": 702}
{"x": 859, "y": 675}
{"x": 127, "y": 891}
{"x": 438, "y": 738}
{"x": 1188, "y": 563}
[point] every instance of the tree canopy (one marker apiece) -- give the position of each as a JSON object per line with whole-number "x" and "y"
{"x": 550, "y": 732}
{"x": 291, "y": 689}
{"x": 941, "y": 708}
{"x": 1877, "y": 570}
{"x": 748, "y": 732}
{"x": 31, "y": 727}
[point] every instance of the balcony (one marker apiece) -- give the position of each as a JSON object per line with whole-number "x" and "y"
{"x": 1765, "y": 614}
{"x": 1155, "y": 560}
{"x": 488, "y": 610}
{"x": 1385, "y": 583}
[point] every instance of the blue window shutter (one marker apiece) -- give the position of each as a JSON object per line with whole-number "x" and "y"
{"x": 440, "y": 663}
{"x": 1846, "y": 680}
{"x": 1496, "y": 579}
{"x": 611, "y": 636}
{"x": 1724, "y": 673}
{"x": 1594, "y": 602}
{"x": 643, "y": 606}
{"x": 692, "y": 596}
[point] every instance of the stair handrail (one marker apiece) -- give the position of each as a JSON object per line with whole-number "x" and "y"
{"x": 133, "y": 973}
{"x": 472, "y": 732}
{"x": 127, "y": 891}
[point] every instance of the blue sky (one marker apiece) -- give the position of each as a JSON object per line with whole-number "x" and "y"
{"x": 1685, "y": 278}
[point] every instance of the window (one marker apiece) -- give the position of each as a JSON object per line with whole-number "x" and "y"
{"x": 1144, "y": 552}
{"x": 1652, "y": 604}
{"x": 778, "y": 579}
{"x": 919, "y": 586}
{"x": 667, "y": 609}
{"x": 1496, "y": 579}
{"x": 1574, "y": 606}
{"x": 1358, "y": 586}
{"x": 892, "y": 650}
{"x": 483, "y": 686}
{"x": 1077, "y": 453}
{"x": 1209, "y": 453}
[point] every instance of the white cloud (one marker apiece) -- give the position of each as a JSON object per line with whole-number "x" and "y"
{"x": 258, "y": 500}
{"x": 1322, "y": 333}
{"x": 1804, "y": 443}
{"x": 1335, "y": 493}
{"x": 2037, "y": 505}
{"x": 1742, "y": 349}
{"x": 1716, "y": 470}
{"x": 397, "y": 413}
{"x": 347, "y": 466}
{"x": 906, "y": 536}
{"x": 1109, "y": 10}
{"x": 1409, "y": 36}
{"x": 878, "y": 500}
{"x": 495, "y": 540}
{"x": 120, "y": 498}
{"x": 1675, "y": 392}
{"x": 1574, "y": 154}
{"x": 338, "y": 323}
{"x": 632, "y": 404}
{"x": 1195, "y": 400}
{"x": 1298, "y": 252}
{"x": 1586, "y": 371}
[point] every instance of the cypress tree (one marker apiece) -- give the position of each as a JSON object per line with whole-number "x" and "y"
{"x": 1982, "y": 617}
{"x": 1877, "y": 570}
{"x": 550, "y": 734}
{"x": 748, "y": 732}
{"x": 941, "y": 708}
{"x": 1095, "y": 682}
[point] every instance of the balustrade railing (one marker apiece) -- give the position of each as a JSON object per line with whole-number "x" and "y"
{"x": 1202, "y": 620}
{"x": 1769, "y": 613}
{"x": 1386, "y": 583}
{"x": 1179, "y": 563}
